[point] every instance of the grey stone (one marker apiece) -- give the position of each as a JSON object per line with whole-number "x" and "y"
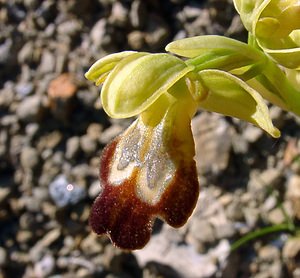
{"x": 271, "y": 176}
{"x": 49, "y": 31}
{"x": 69, "y": 28}
{"x": 259, "y": 182}
{"x": 50, "y": 141}
{"x": 64, "y": 193}
{"x": 277, "y": 269}
{"x": 61, "y": 62}
{"x": 29, "y": 158}
{"x": 119, "y": 14}
{"x": 4, "y": 193}
{"x": 24, "y": 89}
{"x": 155, "y": 269}
{"x": 45, "y": 266}
{"x": 276, "y": 216}
{"x": 94, "y": 189}
{"x": 40, "y": 194}
{"x": 7, "y": 95}
{"x": 27, "y": 221}
{"x": 290, "y": 254}
{"x": 72, "y": 147}
{"x": 296, "y": 272}
{"x": 30, "y": 202}
{"x": 47, "y": 11}
{"x": 5, "y": 51}
{"x": 51, "y": 169}
{"x": 99, "y": 34}
{"x": 47, "y": 64}
{"x": 184, "y": 259}
{"x": 16, "y": 143}
{"x": 80, "y": 172}
{"x": 41, "y": 246}
{"x": 138, "y": 14}
{"x": 234, "y": 211}
{"x": 277, "y": 116}
{"x": 88, "y": 145}
{"x": 110, "y": 133}
{"x": 192, "y": 12}
{"x": 269, "y": 253}
{"x": 293, "y": 193}
{"x": 31, "y": 4}
{"x": 252, "y": 133}
{"x": 251, "y": 216}
{"x": 225, "y": 230}
{"x": 32, "y": 129}
{"x": 26, "y": 54}
{"x": 156, "y": 33}
{"x": 94, "y": 131}
{"x": 91, "y": 244}
{"x": 30, "y": 109}
{"x": 202, "y": 231}
{"x": 9, "y": 121}
{"x": 3, "y": 138}
{"x": 3, "y": 257}
{"x": 270, "y": 203}
{"x": 291, "y": 248}
{"x": 75, "y": 262}
{"x": 136, "y": 39}
{"x": 212, "y": 137}
{"x": 180, "y": 35}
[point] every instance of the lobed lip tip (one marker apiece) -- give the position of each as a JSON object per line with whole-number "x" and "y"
{"x": 121, "y": 212}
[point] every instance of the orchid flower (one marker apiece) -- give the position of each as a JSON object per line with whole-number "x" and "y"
{"x": 275, "y": 26}
{"x": 148, "y": 171}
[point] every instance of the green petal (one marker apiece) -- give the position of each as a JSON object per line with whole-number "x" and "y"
{"x": 278, "y": 19}
{"x": 138, "y": 80}
{"x": 228, "y": 95}
{"x": 250, "y": 11}
{"x": 275, "y": 26}
{"x": 286, "y": 52}
{"x": 104, "y": 65}
{"x": 195, "y": 46}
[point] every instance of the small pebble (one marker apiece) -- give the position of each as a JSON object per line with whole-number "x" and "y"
{"x": 30, "y": 109}
{"x": 29, "y": 158}
{"x": 3, "y": 257}
{"x": 64, "y": 193}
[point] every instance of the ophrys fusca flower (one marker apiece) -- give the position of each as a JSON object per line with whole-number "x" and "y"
{"x": 149, "y": 171}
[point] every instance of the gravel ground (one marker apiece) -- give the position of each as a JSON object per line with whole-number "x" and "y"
{"x": 52, "y": 131}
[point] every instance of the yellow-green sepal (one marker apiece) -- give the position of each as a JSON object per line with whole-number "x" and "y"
{"x": 250, "y": 11}
{"x": 285, "y": 52}
{"x": 199, "y": 45}
{"x": 275, "y": 25}
{"x": 229, "y": 95}
{"x": 138, "y": 81}
{"x": 100, "y": 69}
{"x": 278, "y": 19}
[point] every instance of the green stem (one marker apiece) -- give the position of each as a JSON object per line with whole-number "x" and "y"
{"x": 222, "y": 60}
{"x": 262, "y": 232}
{"x": 252, "y": 41}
